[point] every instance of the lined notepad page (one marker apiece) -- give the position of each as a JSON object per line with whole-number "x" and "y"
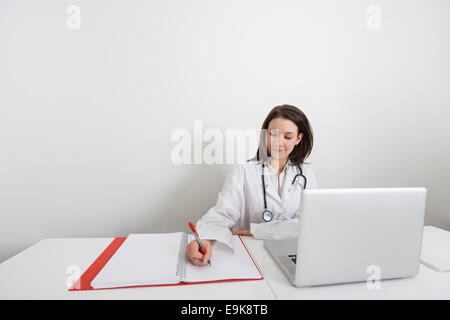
{"x": 143, "y": 259}
{"x": 225, "y": 264}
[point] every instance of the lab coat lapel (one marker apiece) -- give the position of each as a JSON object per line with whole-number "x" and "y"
{"x": 271, "y": 190}
{"x": 287, "y": 187}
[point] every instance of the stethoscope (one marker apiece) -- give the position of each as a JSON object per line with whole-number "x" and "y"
{"x": 267, "y": 214}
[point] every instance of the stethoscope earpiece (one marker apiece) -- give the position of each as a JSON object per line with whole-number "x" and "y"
{"x": 267, "y": 214}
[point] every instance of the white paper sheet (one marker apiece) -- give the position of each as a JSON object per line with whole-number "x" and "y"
{"x": 225, "y": 264}
{"x": 142, "y": 259}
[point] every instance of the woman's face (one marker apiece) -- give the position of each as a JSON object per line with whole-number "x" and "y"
{"x": 282, "y": 138}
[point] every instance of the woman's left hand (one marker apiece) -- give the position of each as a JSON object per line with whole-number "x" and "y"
{"x": 243, "y": 233}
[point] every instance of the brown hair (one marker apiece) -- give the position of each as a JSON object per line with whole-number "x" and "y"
{"x": 302, "y": 150}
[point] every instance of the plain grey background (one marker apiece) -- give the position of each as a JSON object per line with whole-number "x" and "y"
{"x": 86, "y": 116}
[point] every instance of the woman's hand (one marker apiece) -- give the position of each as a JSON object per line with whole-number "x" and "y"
{"x": 245, "y": 232}
{"x": 195, "y": 256}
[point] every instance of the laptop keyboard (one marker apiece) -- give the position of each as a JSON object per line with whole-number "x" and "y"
{"x": 293, "y": 257}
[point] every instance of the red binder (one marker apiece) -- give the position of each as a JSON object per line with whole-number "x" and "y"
{"x": 84, "y": 283}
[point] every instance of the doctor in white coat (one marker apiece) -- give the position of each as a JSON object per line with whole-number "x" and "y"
{"x": 247, "y": 207}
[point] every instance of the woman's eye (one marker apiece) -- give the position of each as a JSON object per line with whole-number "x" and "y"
{"x": 288, "y": 138}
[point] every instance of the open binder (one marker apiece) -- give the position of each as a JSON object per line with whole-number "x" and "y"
{"x": 159, "y": 259}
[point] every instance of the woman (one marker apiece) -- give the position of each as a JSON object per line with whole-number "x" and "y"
{"x": 244, "y": 206}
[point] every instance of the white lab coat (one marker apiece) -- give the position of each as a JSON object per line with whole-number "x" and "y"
{"x": 240, "y": 204}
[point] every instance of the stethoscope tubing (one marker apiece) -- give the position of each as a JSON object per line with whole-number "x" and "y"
{"x": 267, "y": 215}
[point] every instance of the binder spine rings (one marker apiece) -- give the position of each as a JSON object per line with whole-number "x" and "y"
{"x": 181, "y": 264}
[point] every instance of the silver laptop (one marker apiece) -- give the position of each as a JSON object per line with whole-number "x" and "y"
{"x": 350, "y": 235}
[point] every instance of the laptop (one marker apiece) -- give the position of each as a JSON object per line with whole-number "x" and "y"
{"x": 352, "y": 235}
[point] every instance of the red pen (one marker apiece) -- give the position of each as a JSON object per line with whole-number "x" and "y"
{"x": 194, "y": 231}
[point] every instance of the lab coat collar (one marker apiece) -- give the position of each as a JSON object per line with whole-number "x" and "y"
{"x": 271, "y": 170}
{"x": 290, "y": 172}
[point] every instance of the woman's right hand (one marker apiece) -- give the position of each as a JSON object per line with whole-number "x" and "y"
{"x": 195, "y": 256}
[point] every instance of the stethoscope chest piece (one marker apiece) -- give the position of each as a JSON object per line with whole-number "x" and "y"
{"x": 267, "y": 215}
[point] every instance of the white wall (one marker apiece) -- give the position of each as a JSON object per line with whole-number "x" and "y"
{"x": 86, "y": 116}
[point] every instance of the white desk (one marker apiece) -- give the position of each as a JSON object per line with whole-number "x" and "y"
{"x": 39, "y": 272}
{"x": 427, "y": 284}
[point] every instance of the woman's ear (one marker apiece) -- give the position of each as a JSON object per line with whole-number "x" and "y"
{"x": 300, "y": 136}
